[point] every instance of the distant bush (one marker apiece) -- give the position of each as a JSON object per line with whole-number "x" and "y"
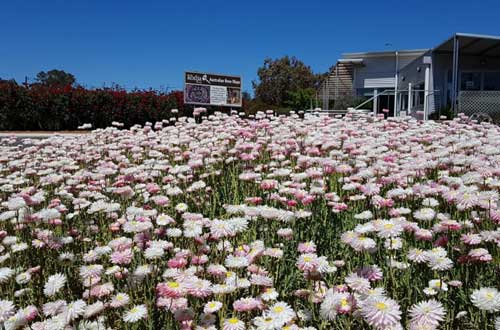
{"x": 41, "y": 107}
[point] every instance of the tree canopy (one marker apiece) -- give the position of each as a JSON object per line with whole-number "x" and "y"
{"x": 280, "y": 79}
{"x": 55, "y": 77}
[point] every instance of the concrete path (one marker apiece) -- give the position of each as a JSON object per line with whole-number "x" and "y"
{"x": 28, "y": 138}
{"x": 39, "y": 134}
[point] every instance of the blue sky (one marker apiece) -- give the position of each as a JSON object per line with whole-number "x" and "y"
{"x": 151, "y": 43}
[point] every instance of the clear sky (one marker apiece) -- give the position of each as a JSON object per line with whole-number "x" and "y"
{"x": 151, "y": 43}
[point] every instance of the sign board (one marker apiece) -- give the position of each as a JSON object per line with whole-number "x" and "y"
{"x": 212, "y": 89}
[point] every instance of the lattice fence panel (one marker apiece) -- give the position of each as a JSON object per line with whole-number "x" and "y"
{"x": 480, "y": 102}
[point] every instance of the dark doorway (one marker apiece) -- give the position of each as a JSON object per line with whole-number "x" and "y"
{"x": 386, "y": 102}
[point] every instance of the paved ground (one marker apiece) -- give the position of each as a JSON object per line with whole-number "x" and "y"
{"x": 39, "y": 134}
{"x": 24, "y": 138}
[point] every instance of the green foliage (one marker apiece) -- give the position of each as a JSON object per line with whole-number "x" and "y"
{"x": 301, "y": 99}
{"x": 280, "y": 77}
{"x": 446, "y": 111}
{"x": 55, "y": 78}
{"x": 251, "y": 107}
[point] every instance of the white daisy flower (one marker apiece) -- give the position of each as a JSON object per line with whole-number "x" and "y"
{"x": 74, "y": 310}
{"x": 120, "y": 300}
{"x": 55, "y": 283}
{"x": 486, "y": 299}
{"x": 5, "y": 274}
{"x": 7, "y": 309}
{"x": 135, "y": 314}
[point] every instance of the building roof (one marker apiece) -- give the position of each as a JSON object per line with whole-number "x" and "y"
{"x": 403, "y": 52}
{"x": 351, "y": 60}
{"x": 471, "y": 44}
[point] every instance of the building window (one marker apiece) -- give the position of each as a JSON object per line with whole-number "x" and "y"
{"x": 491, "y": 81}
{"x": 367, "y": 92}
{"x": 470, "y": 81}
{"x": 418, "y": 95}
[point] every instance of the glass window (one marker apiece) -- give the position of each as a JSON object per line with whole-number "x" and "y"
{"x": 492, "y": 81}
{"x": 366, "y": 92}
{"x": 418, "y": 95}
{"x": 470, "y": 81}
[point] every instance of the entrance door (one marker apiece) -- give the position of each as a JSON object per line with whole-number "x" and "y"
{"x": 386, "y": 102}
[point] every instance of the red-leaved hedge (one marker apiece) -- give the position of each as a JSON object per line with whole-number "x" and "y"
{"x": 40, "y": 107}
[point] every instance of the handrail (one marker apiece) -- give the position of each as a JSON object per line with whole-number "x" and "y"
{"x": 373, "y": 98}
{"x": 391, "y": 91}
{"x": 326, "y": 110}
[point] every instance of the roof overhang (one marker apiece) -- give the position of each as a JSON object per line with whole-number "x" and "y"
{"x": 471, "y": 44}
{"x": 402, "y": 52}
{"x": 351, "y": 60}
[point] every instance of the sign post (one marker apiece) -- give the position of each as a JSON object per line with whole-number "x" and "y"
{"x": 212, "y": 89}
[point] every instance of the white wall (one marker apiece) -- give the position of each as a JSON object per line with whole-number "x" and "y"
{"x": 378, "y": 72}
{"x": 414, "y": 73}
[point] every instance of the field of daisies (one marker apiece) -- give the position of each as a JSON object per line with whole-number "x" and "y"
{"x": 264, "y": 223}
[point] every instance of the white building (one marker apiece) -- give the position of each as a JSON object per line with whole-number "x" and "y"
{"x": 462, "y": 73}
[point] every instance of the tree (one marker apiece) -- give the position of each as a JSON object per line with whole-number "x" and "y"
{"x": 55, "y": 77}
{"x": 280, "y": 77}
{"x": 245, "y": 96}
{"x": 301, "y": 99}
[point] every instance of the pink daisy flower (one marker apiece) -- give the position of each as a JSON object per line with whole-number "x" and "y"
{"x": 308, "y": 262}
{"x": 381, "y": 312}
{"x": 171, "y": 289}
{"x": 307, "y": 247}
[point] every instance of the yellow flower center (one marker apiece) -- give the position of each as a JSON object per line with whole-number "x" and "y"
{"x": 173, "y": 285}
{"x": 381, "y": 306}
{"x": 233, "y": 320}
{"x": 278, "y": 309}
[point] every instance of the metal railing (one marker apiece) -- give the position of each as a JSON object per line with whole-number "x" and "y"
{"x": 386, "y": 92}
{"x": 336, "y": 112}
{"x": 408, "y": 101}
{"x": 417, "y": 110}
{"x": 412, "y": 104}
